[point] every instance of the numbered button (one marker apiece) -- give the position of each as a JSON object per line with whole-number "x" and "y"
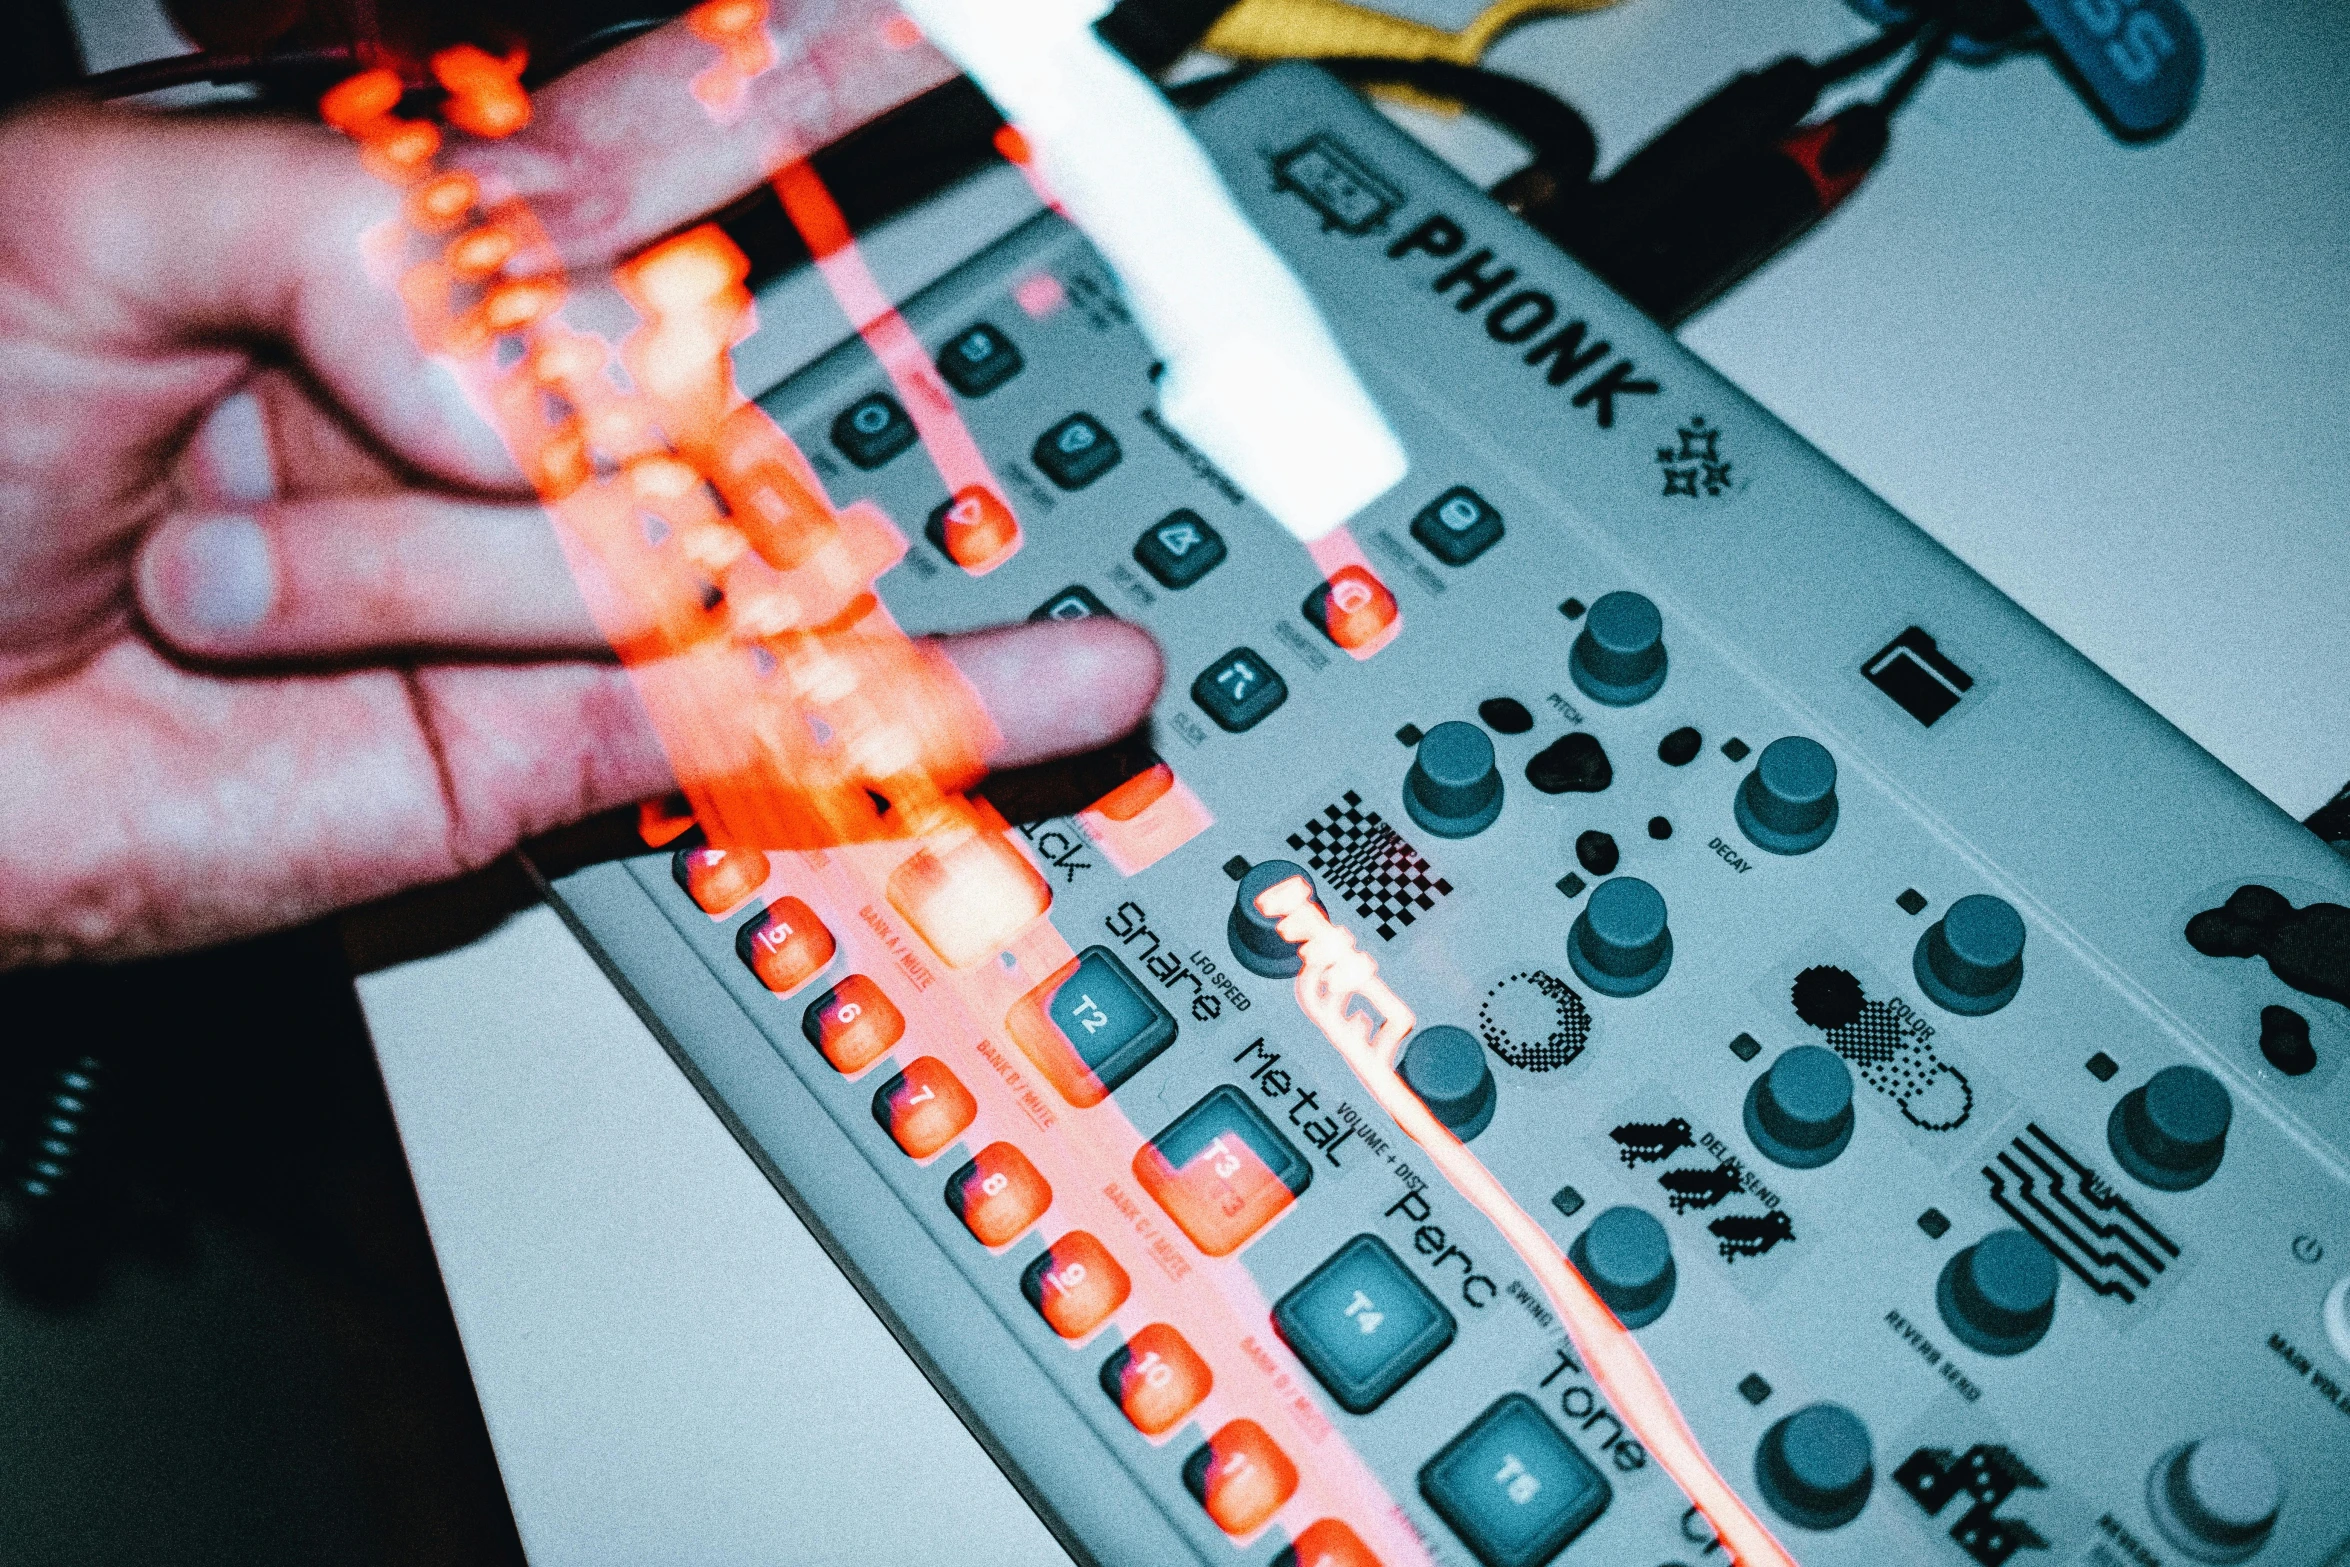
{"x": 1515, "y": 1490}
{"x": 1076, "y": 452}
{"x": 1241, "y": 1476}
{"x": 786, "y": 945}
{"x": 1156, "y": 1378}
{"x": 1179, "y": 549}
{"x": 1326, "y": 1543}
{"x": 1362, "y": 1324}
{"x": 1222, "y": 1172}
{"x": 872, "y": 430}
{"x": 998, "y": 1195}
{"x": 1074, "y": 602}
{"x": 1239, "y": 690}
{"x": 853, "y": 1024}
{"x": 1458, "y": 526}
{"x": 924, "y": 1108}
{"x": 979, "y": 360}
{"x": 718, "y": 880}
{"x": 1075, "y": 1285}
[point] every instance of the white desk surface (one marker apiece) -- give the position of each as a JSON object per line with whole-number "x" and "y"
{"x": 2111, "y": 378}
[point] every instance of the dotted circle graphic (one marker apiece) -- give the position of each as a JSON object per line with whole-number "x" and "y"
{"x": 1534, "y": 1020}
{"x": 1885, "y": 1047}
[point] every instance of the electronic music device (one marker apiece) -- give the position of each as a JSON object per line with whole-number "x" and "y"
{"x": 1933, "y": 1058}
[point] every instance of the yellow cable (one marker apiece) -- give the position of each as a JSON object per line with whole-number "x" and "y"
{"x": 1290, "y": 29}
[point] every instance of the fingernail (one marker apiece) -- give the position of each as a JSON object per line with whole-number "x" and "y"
{"x": 236, "y": 443}
{"x": 226, "y": 580}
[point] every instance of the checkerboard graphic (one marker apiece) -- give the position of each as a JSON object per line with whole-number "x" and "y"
{"x": 1369, "y": 865}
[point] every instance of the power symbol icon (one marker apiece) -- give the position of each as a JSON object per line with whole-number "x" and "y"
{"x": 2308, "y": 1248}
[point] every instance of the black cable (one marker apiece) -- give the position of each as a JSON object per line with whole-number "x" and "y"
{"x": 1202, "y": 90}
{"x": 1931, "y": 45}
{"x": 1558, "y": 136}
{"x": 220, "y": 70}
{"x": 1861, "y": 57}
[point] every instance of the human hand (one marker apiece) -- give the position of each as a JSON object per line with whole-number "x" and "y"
{"x": 278, "y": 630}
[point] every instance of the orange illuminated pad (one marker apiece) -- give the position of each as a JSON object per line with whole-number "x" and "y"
{"x": 1222, "y": 1172}
{"x": 786, "y": 946}
{"x": 719, "y": 879}
{"x": 1327, "y": 1543}
{"x": 1090, "y": 1026}
{"x": 970, "y": 897}
{"x": 1156, "y": 1379}
{"x": 1137, "y": 794}
{"x": 854, "y": 1024}
{"x": 1240, "y": 1476}
{"x": 1075, "y": 1285}
{"x": 924, "y": 1108}
{"x": 998, "y": 1194}
{"x": 975, "y": 530}
{"x": 1353, "y": 609}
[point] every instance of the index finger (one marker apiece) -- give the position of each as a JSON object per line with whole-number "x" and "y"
{"x": 623, "y": 149}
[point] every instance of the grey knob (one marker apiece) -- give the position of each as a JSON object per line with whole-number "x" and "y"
{"x": 1453, "y": 789}
{"x": 1620, "y": 945}
{"x": 1446, "y": 1067}
{"x": 1787, "y": 805}
{"x": 1627, "y": 1259}
{"x": 1971, "y": 960}
{"x": 2216, "y": 1499}
{"x": 1999, "y": 1295}
{"x": 1815, "y": 1467}
{"x": 2172, "y": 1130}
{"x": 1619, "y": 658}
{"x": 1799, "y": 1113}
{"x": 1255, "y": 941}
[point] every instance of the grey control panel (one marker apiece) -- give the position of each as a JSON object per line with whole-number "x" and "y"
{"x": 1931, "y": 1055}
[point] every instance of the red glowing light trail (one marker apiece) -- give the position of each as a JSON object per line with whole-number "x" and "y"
{"x": 925, "y": 398}
{"x": 1337, "y": 975}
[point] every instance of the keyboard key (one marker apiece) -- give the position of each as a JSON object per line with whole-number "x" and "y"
{"x": 979, "y": 361}
{"x": 998, "y": 1195}
{"x": 1326, "y": 1543}
{"x": 1074, "y": 602}
{"x": 786, "y": 945}
{"x": 1090, "y": 1027}
{"x": 872, "y": 430}
{"x": 1458, "y": 526}
{"x": 1353, "y": 609}
{"x": 1239, "y": 690}
{"x": 1222, "y": 1172}
{"x": 854, "y": 1024}
{"x": 969, "y": 895}
{"x": 1362, "y": 1324}
{"x": 975, "y": 529}
{"x": 924, "y": 1108}
{"x": 1076, "y": 452}
{"x": 1179, "y": 549}
{"x": 1156, "y": 1379}
{"x": 1075, "y": 1285}
{"x": 1515, "y": 1490}
{"x": 719, "y": 879}
{"x": 1241, "y": 1476}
